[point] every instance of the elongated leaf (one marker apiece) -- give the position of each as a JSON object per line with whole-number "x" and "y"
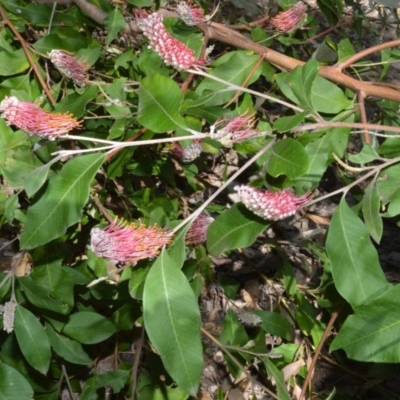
{"x": 40, "y": 296}
{"x": 275, "y": 324}
{"x": 115, "y": 379}
{"x": 302, "y": 83}
{"x": 36, "y": 178}
{"x": 59, "y": 283}
{"x": 88, "y": 327}
{"x": 172, "y": 321}
{"x": 32, "y": 339}
{"x": 328, "y": 98}
{"x": 61, "y": 204}
{"x": 159, "y": 103}
{"x": 68, "y": 349}
{"x": 235, "y": 228}
{"x": 274, "y": 372}
{"x": 285, "y": 124}
{"x": 370, "y": 208}
{"x": 355, "y": 265}
{"x": 371, "y": 334}
{"x": 13, "y": 385}
{"x": 233, "y": 67}
{"x": 12, "y": 63}
{"x": 115, "y": 23}
{"x": 389, "y": 189}
{"x": 288, "y": 158}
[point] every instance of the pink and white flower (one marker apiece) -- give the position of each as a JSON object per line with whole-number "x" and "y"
{"x": 187, "y": 154}
{"x": 171, "y": 50}
{"x": 197, "y": 233}
{"x": 235, "y": 130}
{"x": 271, "y": 206}
{"x": 34, "y": 121}
{"x": 191, "y": 16}
{"x": 70, "y": 66}
{"x": 287, "y": 21}
{"x": 121, "y": 242}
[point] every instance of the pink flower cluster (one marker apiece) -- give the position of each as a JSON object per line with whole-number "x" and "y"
{"x": 171, "y": 50}
{"x": 34, "y": 121}
{"x": 189, "y": 153}
{"x": 271, "y": 206}
{"x": 128, "y": 243}
{"x": 235, "y": 130}
{"x": 191, "y": 16}
{"x": 197, "y": 233}
{"x": 289, "y": 20}
{"x": 70, "y": 66}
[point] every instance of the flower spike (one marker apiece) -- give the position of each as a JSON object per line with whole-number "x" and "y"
{"x": 289, "y": 20}
{"x": 191, "y": 16}
{"x": 34, "y": 121}
{"x": 121, "y": 242}
{"x": 171, "y": 50}
{"x": 271, "y": 206}
{"x": 70, "y": 66}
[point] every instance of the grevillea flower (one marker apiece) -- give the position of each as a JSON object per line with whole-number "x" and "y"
{"x": 70, "y": 66}
{"x": 171, "y": 50}
{"x": 189, "y": 15}
{"x": 8, "y": 311}
{"x": 121, "y": 242}
{"x": 271, "y": 206}
{"x": 197, "y": 233}
{"x": 35, "y": 121}
{"x": 289, "y": 20}
{"x": 235, "y": 130}
{"x": 187, "y": 154}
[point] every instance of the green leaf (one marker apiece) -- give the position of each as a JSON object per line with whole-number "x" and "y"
{"x": 371, "y": 333}
{"x": 285, "y": 124}
{"x": 328, "y": 98}
{"x": 36, "y": 178}
{"x": 60, "y": 284}
{"x": 355, "y": 265}
{"x": 274, "y": 372}
{"x": 115, "y": 379}
{"x": 12, "y": 63}
{"x": 76, "y": 103}
{"x": 237, "y": 227}
{"x": 39, "y": 296}
{"x": 366, "y": 155}
{"x": 288, "y": 157}
{"x": 88, "y": 327}
{"x": 302, "y": 83}
{"x": 233, "y": 67}
{"x": 115, "y": 23}
{"x": 13, "y": 385}
{"x": 32, "y": 339}
{"x": 160, "y": 100}
{"x": 172, "y": 321}
{"x": 275, "y": 324}
{"x": 68, "y": 349}
{"x": 61, "y": 204}
{"x": 370, "y": 208}
{"x": 233, "y": 333}
{"x": 388, "y": 185}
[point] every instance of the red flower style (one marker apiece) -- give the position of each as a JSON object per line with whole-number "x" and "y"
{"x": 197, "y": 233}
{"x": 191, "y": 16}
{"x": 289, "y": 20}
{"x": 235, "y": 130}
{"x": 271, "y": 206}
{"x": 70, "y": 66}
{"x": 189, "y": 153}
{"x": 171, "y": 50}
{"x": 34, "y": 121}
{"x": 128, "y": 243}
